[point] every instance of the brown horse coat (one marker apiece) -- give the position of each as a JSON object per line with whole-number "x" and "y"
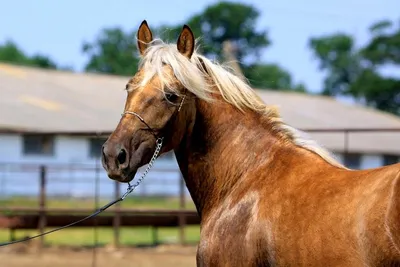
{"x": 266, "y": 196}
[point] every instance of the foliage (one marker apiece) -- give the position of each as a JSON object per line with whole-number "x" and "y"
{"x": 384, "y": 47}
{"x": 236, "y": 22}
{"x": 337, "y": 55}
{"x": 356, "y": 72}
{"x": 113, "y": 52}
{"x": 11, "y": 53}
{"x": 271, "y": 76}
{"x": 231, "y": 21}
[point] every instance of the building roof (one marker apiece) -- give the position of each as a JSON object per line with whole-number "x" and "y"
{"x": 38, "y": 100}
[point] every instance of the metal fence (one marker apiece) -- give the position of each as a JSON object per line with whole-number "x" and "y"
{"x": 80, "y": 181}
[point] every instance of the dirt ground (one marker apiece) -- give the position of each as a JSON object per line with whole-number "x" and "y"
{"x": 166, "y": 256}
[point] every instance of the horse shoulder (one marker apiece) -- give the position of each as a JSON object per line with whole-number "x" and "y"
{"x": 379, "y": 217}
{"x": 392, "y": 218}
{"x": 232, "y": 234}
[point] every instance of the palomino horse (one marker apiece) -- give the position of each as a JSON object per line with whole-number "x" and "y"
{"x": 266, "y": 195}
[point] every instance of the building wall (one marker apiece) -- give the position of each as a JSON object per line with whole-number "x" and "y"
{"x": 67, "y": 150}
{"x": 79, "y": 171}
{"x": 73, "y": 149}
{"x": 74, "y": 181}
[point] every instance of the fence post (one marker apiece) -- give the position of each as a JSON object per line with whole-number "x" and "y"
{"x": 117, "y": 217}
{"x": 42, "y": 203}
{"x": 182, "y": 216}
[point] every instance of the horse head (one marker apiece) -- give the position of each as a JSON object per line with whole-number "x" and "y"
{"x": 158, "y": 105}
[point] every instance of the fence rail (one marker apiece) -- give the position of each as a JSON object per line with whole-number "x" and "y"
{"x": 40, "y": 216}
{"x": 41, "y": 182}
{"x": 33, "y": 218}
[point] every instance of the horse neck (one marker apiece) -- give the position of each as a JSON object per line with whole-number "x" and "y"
{"x": 221, "y": 148}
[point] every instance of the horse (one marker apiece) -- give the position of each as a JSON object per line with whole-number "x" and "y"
{"x": 266, "y": 194}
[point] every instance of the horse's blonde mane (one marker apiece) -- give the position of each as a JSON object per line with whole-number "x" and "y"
{"x": 233, "y": 89}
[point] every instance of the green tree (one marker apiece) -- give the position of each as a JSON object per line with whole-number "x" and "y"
{"x": 271, "y": 76}
{"x": 235, "y": 22}
{"x": 11, "y": 53}
{"x": 337, "y": 55}
{"x": 114, "y": 52}
{"x": 355, "y": 72}
{"x": 230, "y": 21}
{"x": 384, "y": 47}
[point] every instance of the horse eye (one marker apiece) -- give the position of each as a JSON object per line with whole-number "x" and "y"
{"x": 171, "y": 97}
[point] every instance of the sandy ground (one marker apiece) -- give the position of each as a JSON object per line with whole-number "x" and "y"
{"x": 166, "y": 256}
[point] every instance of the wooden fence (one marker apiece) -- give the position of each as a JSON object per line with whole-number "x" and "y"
{"x": 42, "y": 217}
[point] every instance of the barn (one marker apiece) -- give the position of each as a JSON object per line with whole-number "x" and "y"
{"x": 59, "y": 117}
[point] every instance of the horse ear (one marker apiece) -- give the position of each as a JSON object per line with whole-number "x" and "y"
{"x": 186, "y": 42}
{"x": 144, "y": 37}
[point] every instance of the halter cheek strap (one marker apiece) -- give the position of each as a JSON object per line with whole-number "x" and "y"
{"x": 180, "y": 106}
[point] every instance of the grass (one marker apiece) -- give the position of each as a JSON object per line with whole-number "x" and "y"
{"x": 129, "y": 236}
{"x": 129, "y": 202}
{"x": 76, "y": 236}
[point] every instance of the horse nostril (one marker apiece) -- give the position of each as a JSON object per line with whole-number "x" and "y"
{"x": 121, "y": 156}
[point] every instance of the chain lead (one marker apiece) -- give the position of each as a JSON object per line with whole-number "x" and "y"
{"x": 140, "y": 180}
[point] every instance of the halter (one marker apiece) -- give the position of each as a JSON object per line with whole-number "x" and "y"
{"x": 159, "y": 141}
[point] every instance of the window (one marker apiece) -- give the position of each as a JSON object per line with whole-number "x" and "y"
{"x": 390, "y": 159}
{"x": 36, "y": 144}
{"x": 352, "y": 160}
{"x": 95, "y": 147}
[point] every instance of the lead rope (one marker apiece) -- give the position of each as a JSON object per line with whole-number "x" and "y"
{"x": 129, "y": 190}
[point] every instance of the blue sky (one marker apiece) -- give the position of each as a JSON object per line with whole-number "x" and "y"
{"x": 58, "y": 28}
